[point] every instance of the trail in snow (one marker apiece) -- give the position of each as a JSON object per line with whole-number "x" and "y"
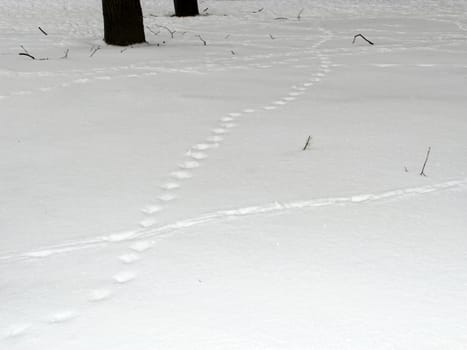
{"x": 223, "y": 215}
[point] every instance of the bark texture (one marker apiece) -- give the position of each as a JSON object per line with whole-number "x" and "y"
{"x": 185, "y": 8}
{"x": 123, "y": 22}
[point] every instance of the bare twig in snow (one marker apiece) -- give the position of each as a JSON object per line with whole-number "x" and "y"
{"x": 26, "y": 54}
{"x": 201, "y": 38}
{"x": 422, "y": 173}
{"x": 281, "y": 18}
{"x": 361, "y": 36}
{"x": 152, "y": 31}
{"x": 232, "y": 52}
{"x": 270, "y": 35}
{"x": 299, "y": 16}
{"x": 94, "y": 50}
{"x": 65, "y": 56}
{"x": 258, "y": 11}
{"x": 307, "y": 143}
{"x": 171, "y": 32}
{"x": 227, "y": 36}
{"x": 43, "y": 31}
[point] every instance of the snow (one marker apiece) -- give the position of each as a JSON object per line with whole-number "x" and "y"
{"x": 158, "y": 196}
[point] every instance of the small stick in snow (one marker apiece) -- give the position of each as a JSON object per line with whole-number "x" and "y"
{"x": 201, "y": 38}
{"x": 232, "y": 52}
{"x": 66, "y": 54}
{"x": 281, "y": 18}
{"x": 152, "y": 31}
{"x": 270, "y": 35}
{"x": 307, "y": 143}
{"x": 171, "y": 32}
{"x": 94, "y": 50}
{"x": 361, "y": 36}
{"x": 26, "y": 53}
{"x": 422, "y": 173}
{"x": 258, "y": 11}
{"x": 299, "y": 16}
{"x": 43, "y": 31}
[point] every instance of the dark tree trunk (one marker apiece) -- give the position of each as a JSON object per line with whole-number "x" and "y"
{"x": 185, "y": 8}
{"x": 123, "y": 22}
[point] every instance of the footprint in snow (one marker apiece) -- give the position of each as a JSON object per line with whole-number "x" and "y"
{"x": 249, "y": 110}
{"x": 227, "y": 119}
{"x": 181, "y": 175}
{"x": 129, "y": 258}
{"x": 62, "y": 316}
{"x": 269, "y": 108}
{"x": 141, "y": 246}
{"x": 16, "y": 330}
{"x": 99, "y": 295}
{"x": 215, "y": 139}
{"x": 219, "y": 131}
{"x": 228, "y": 125}
{"x": 201, "y": 147}
{"x": 170, "y": 186}
{"x": 190, "y": 164}
{"x": 196, "y": 155}
{"x": 235, "y": 115}
{"x": 124, "y": 277}
{"x": 167, "y": 197}
{"x": 151, "y": 209}
{"x": 147, "y": 222}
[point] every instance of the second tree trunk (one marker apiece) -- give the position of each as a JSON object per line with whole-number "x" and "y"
{"x": 186, "y": 8}
{"x": 123, "y": 22}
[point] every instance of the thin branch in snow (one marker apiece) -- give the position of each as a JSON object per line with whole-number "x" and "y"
{"x": 258, "y": 11}
{"x": 299, "y": 16}
{"x": 361, "y": 36}
{"x": 422, "y": 173}
{"x": 26, "y": 54}
{"x": 65, "y": 56}
{"x": 201, "y": 38}
{"x": 232, "y": 52}
{"x": 94, "y": 50}
{"x": 307, "y": 143}
{"x": 43, "y": 31}
{"x": 270, "y": 35}
{"x": 171, "y": 32}
{"x": 152, "y": 31}
{"x": 281, "y": 18}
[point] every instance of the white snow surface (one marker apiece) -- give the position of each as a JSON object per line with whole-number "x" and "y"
{"x": 159, "y": 197}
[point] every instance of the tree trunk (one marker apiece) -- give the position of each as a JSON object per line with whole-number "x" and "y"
{"x": 123, "y": 22}
{"x": 185, "y": 8}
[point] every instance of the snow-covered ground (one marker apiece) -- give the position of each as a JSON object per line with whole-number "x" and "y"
{"x": 158, "y": 197}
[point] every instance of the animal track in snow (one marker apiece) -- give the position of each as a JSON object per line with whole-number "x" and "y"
{"x": 147, "y": 222}
{"x": 99, "y": 295}
{"x": 235, "y": 115}
{"x": 215, "y": 138}
{"x": 124, "y": 277}
{"x": 201, "y": 147}
{"x": 129, "y": 258}
{"x": 270, "y": 108}
{"x": 141, "y": 246}
{"x": 219, "y": 131}
{"x": 62, "y": 316}
{"x": 227, "y": 119}
{"x": 181, "y": 175}
{"x": 249, "y": 110}
{"x": 170, "y": 186}
{"x": 151, "y": 209}
{"x": 189, "y": 164}
{"x": 16, "y": 330}
{"x": 167, "y": 197}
